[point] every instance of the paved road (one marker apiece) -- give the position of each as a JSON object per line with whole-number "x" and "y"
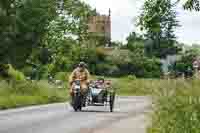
{"x": 129, "y": 117}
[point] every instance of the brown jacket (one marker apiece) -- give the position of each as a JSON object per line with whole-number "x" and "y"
{"x": 83, "y": 76}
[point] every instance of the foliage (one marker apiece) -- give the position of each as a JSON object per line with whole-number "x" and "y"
{"x": 132, "y": 77}
{"x": 64, "y": 37}
{"x": 135, "y": 42}
{"x": 186, "y": 62}
{"x": 15, "y": 74}
{"x": 4, "y": 68}
{"x": 42, "y": 30}
{"x": 52, "y": 36}
{"x": 23, "y": 27}
{"x": 158, "y": 20}
{"x": 116, "y": 44}
{"x": 6, "y": 29}
{"x": 135, "y": 63}
{"x": 106, "y": 69}
{"x": 9, "y": 73}
{"x": 192, "y": 5}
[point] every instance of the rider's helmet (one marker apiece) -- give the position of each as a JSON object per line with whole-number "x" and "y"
{"x": 82, "y": 64}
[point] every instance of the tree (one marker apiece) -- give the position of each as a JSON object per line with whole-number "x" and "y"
{"x": 77, "y": 13}
{"x": 7, "y": 28}
{"x": 158, "y": 19}
{"x": 135, "y": 42}
{"x": 66, "y": 32}
{"x": 117, "y": 44}
{"x": 192, "y": 5}
{"x": 23, "y": 26}
{"x": 186, "y": 62}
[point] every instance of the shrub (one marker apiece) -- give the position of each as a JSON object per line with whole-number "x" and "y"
{"x": 15, "y": 74}
{"x": 101, "y": 54}
{"x": 106, "y": 69}
{"x": 132, "y": 77}
{"x": 27, "y": 71}
{"x": 134, "y": 63}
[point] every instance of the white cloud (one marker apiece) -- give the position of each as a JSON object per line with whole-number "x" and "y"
{"x": 124, "y": 12}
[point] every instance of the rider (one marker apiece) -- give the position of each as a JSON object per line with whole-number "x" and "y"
{"x": 80, "y": 73}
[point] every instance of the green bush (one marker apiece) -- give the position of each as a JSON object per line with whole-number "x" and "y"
{"x": 8, "y": 72}
{"x": 132, "y": 77}
{"x": 15, "y": 74}
{"x": 27, "y": 71}
{"x": 106, "y": 69}
{"x": 101, "y": 54}
{"x": 107, "y": 62}
{"x": 130, "y": 63}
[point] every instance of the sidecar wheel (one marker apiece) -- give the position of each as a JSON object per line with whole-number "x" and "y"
{"x": 112, "y": 101}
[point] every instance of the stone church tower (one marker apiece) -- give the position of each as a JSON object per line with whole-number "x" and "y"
{"x": 100, "y": 25}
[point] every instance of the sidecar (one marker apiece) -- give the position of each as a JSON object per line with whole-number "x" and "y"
{"x": 101, "y": 93}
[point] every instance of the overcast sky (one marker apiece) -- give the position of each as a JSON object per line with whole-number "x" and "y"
{"x": 125, "y": 11}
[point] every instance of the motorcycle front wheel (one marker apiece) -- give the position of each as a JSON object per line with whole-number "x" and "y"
{"x": 77, "y": 103}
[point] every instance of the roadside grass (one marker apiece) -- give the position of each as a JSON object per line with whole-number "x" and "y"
{"x": 26, "y": 93}
{"x": 21, "y": 93}
{"x": 137, "y": 87}
{"x": 176, "y": 107}
{"x": 176, "y": 102}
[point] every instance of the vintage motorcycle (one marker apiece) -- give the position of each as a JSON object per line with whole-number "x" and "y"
{"x": 97, "y": 95}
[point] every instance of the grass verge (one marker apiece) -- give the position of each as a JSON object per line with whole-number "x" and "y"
{"x": 177, "y": 108}
{"x": 26, "y": 93}
{"x": 137, "y": 87}
{"x": 176, "y": 103}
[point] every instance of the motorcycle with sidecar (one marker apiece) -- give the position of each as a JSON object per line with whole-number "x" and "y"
{"x": 99, "y": 93}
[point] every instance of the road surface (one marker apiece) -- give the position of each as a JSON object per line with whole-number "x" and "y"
{"x": 129, "y": 117}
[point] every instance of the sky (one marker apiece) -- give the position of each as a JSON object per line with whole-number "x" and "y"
{"x": 124, "y": 13}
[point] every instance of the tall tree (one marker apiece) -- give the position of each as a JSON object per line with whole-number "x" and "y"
{"x": 33, "y": 19}
{"x": 7, "y": 27}
{"x": 23, "y": 26}
{"x": 158, "y": 19}
{"x": 135, "y": 41}
{"x": 67, "y": 30}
